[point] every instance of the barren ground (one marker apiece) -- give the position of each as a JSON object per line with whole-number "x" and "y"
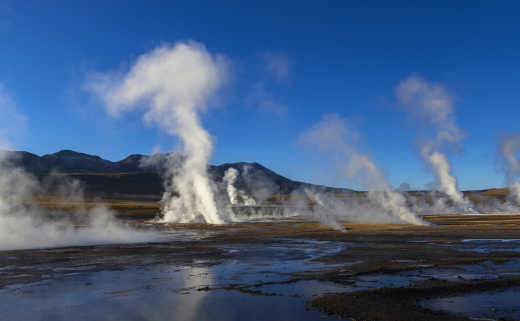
{"x": 429, "y": 261}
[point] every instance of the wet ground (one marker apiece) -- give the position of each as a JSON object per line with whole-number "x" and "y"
{"x": 463, "y": 267}
{"x": 498, "y": 304}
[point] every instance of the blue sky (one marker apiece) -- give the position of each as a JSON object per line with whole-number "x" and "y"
{"x": 290, "y": 63}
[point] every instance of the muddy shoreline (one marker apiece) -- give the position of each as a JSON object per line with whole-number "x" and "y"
{"x": 391, "y": 267}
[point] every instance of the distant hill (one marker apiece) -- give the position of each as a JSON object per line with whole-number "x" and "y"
{"x": 68, "y": 161}
{"x": 142, "y": 175}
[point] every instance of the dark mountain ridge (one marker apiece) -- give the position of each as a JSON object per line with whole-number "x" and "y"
{"x": 142, "y": 175}
{"x": 68, "y": 161}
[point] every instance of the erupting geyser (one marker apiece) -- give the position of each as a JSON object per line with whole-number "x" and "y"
{"x": 432, "y": 103}
{"x": 174, "y": 83}
{"x": 236, "y": 197}
{"x": 509, "y": 148}
{"x": 332, "y": 133}
{"x": 230, "y": 177}
{"x": 442, "y": 170}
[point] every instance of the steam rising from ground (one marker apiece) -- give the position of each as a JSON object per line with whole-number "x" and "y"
{"x": 175, "y": 83}
{"x": 333, "y": 133}
{"x": 509, "y": 149}
{"x": 11, "y": 121}
{"x": 235, "y": 196}
{"x": 24, "y": 225}
{"x": 230, "y": 177}
{"x": 432, "y": 103}
{"x": 514, "y": 191}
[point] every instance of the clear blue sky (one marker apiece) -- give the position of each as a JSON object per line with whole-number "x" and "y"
{"x": 343, "y": 57}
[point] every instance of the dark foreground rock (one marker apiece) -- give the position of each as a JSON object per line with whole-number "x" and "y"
{"x": 403, "y": 304}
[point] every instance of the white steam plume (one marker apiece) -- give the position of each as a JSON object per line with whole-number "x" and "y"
{"x": 514, "y": 191}
{"x": 333, "y": 133}
{"x": 12, "y": 122}
{"x": 246, "y": 199}
{"x": 174, "y": 83}
{"x": 236, "y": 196}
{"x": 24, "y": 225}
{"x": 509, "y": 150}
{"x": 323, "y": 208}
{"x": 230, "y": 177}
{"x": 447, "y": 183}
{"x": 432, "y": 103}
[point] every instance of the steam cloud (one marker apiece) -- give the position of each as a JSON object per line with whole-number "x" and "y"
{"x": 432, "y": 103}
{"x": 11, "y": 121}
{"x": 24, "y": 225}
{"x": 230, "y": 177}
{"x": 175, "y": 82}
{"x": 509, "y": 149}
{"x": 333, "y": 133}
{"x": 236, "y": 196}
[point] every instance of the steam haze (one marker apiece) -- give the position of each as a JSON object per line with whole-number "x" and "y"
{"x": 432, "y": 104}
{"x": 509, "y": 150}
{"x": 334, "y": 134}
{"x": 24, "y": 225}
{"x": 173, "y": 83}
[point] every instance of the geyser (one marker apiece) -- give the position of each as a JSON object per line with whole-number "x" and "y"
{"x": 236, "y": 197}
{"x": 433, "y": 104}
{"x": 509, "y": 149}
{"x": 333, "y": 133}
{"x": 174, "y": 83}
{"x": 230, "y": 177}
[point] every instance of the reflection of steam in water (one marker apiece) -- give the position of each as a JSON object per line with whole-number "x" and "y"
{"x": 170, "y": 292}
{"x": 195, "y": 279}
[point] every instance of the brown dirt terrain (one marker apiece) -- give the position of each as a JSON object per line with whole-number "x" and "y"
{"x": 402, "y": 304}
{"x": 27, "y": 266}
{"x": 369, "y": 249}
{"x": 377, "y": 249}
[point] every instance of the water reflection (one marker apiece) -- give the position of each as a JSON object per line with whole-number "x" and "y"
{"x": 160, "y": 293}
{"x": 213, "y": 289}
{"x": 195, "y": 291}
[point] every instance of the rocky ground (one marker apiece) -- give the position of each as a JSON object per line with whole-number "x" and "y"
{"x": 370, "y": 272}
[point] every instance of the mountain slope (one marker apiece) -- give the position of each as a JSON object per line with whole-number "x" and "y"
{"x": 142, "y": 175}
